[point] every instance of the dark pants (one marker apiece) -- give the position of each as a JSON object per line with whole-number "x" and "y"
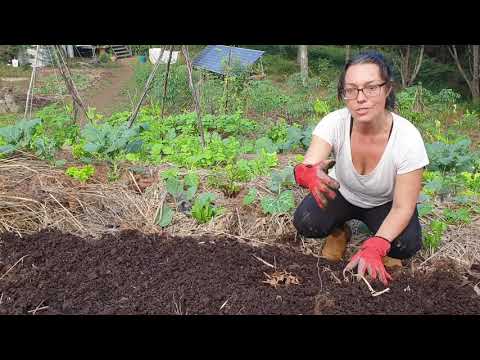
{"x": 312, "y": 221}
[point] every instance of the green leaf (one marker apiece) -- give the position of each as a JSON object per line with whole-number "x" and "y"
{"x": 202, "y": 210}
{"x": 166, "y": 216}
{"x": 278, "y": 205}
{"x": 424, "y": 209}
{"x": 7, "y": 149}
{"x": 281, "y": 179}
{"x": 60, "y": 163}
{"x": 91, "y": 147}
{"x": 92, "y": 134}
{"x": 250, "y": 197}
{"x": 266, "y": 144}
{"x": 134, "y": 146}
{"x": 174, "y": 187}
{"x": 192, "y": 181}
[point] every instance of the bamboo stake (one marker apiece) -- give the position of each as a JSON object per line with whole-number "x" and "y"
{"x": 146, "y": 89}
{"x": 166, "y": 80}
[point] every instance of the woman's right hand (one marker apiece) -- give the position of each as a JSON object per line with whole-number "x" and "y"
{"x": 315, "y": 178}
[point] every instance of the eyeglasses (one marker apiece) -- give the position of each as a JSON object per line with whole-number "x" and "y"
{"x": 368, "y": 91}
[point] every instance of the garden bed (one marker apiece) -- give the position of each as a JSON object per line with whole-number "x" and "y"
{"x": 54, "y": 273}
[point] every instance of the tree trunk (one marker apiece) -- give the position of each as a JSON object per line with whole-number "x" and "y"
{"x": 418, "y": 63}
{"x": 407, "y": 73}
{"x": 473, "y": 82}
{"x": 347, "y": 52}
{"x": 303, "y": 53}
{"x": 476, "y": 74}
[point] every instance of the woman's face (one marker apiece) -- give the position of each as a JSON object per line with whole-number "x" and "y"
{"x": 366, "y": 108}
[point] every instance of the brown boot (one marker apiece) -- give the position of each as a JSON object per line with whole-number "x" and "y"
{"x": 391, "y": 262}
{"x": 336, "y": 243}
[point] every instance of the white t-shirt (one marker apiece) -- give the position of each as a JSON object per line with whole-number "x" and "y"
{"x": 405, "y": 152}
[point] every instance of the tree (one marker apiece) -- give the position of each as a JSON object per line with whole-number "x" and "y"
{"x": 404, "y": 62}
{"x": 303, "y": 55}
{"x": 348, "y": 49}
{"x": 471, "y": 57}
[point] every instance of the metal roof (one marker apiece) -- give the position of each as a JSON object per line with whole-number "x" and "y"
{"x": 213, "y": 57}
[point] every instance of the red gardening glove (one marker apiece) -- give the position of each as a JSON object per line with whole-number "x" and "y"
{"x": 370, "y": 257}
{"x": 315, "y": 178}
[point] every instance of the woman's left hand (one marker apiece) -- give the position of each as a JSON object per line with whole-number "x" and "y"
{"x": 369, "y": 258}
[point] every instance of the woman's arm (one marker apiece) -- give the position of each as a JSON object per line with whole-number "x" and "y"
{"x": 318, "y": 150}
{"x": 407, "y": 189}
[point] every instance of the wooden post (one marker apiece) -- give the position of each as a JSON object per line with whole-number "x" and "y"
{"x": 146, "y": 89}
{"x": 166, "y": 80}
{"x": 194, "y": 93}
{"x": 30, "y": 87}
{"x": 67, "y": 77}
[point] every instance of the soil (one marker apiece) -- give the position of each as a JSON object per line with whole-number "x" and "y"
{"x": 109, "y": 96}
{"x": 132, "y": 273}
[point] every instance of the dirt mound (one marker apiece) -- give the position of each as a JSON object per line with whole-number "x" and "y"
{"x": 54, "y": 273}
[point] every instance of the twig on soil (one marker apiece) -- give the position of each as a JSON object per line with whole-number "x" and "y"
{"x": 68, "y": 212}
{"x": 263, "y": 261}
{"x": 239, "y": 221}
{"x": 319, "y": 277}
{"x": 178, "y": 306}
{"x": 38, "y": 308}
{"x": 1, "y": 299}
{"x": 335, "y": 277}
{"x": 373, "y": 292}
{"x": 135, "y": 182}
{"x": 21, "y": 259}
{"x": 241, "y": 237}
{"x": 475, "y": 288}
{"x": 225, "y": 303}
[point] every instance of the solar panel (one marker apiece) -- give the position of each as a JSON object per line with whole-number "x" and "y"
{"x": 214, "y": 57}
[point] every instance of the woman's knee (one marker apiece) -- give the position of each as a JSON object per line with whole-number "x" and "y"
{"x": 308, "y": 220}
{"x": 304, "y": 222}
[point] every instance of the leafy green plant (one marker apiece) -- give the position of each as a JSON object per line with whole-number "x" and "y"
{"x": 107, "y": 142}
{"x": 44, "y": 148}
{"x": 203, "y": 209}
{"x": 454, "y": 157}
{"x": 263, "y": 163}
{"x": 178, "y": 96}
{"x": 18, "y": 136}
{"x": 81, "y": 174}
{"x": 182, "y": 190}
{"x": 164, "y": 216}
{"x": 470, "y": 119}
{"x": 425, "y": 209}
{"x": 265, "y": 97}
{"x": 281, "y": 179}
{"x": 434, "y": 235}
{"x": 54, "y": 84}
{"x": 284, "y": 201}
{"x": 280, "y": 204}
{"x": 251, "y": 196}
{"x": 459, "y": 216}
{"x": 321, "y": 107}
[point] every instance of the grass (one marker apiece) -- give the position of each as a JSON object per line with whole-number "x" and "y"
{"x": 9, "y": 71}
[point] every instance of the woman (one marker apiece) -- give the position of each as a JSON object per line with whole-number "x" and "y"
{"x": 379, "y": 159}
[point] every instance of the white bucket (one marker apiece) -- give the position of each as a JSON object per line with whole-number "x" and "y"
{"x": 14, "y": 62}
